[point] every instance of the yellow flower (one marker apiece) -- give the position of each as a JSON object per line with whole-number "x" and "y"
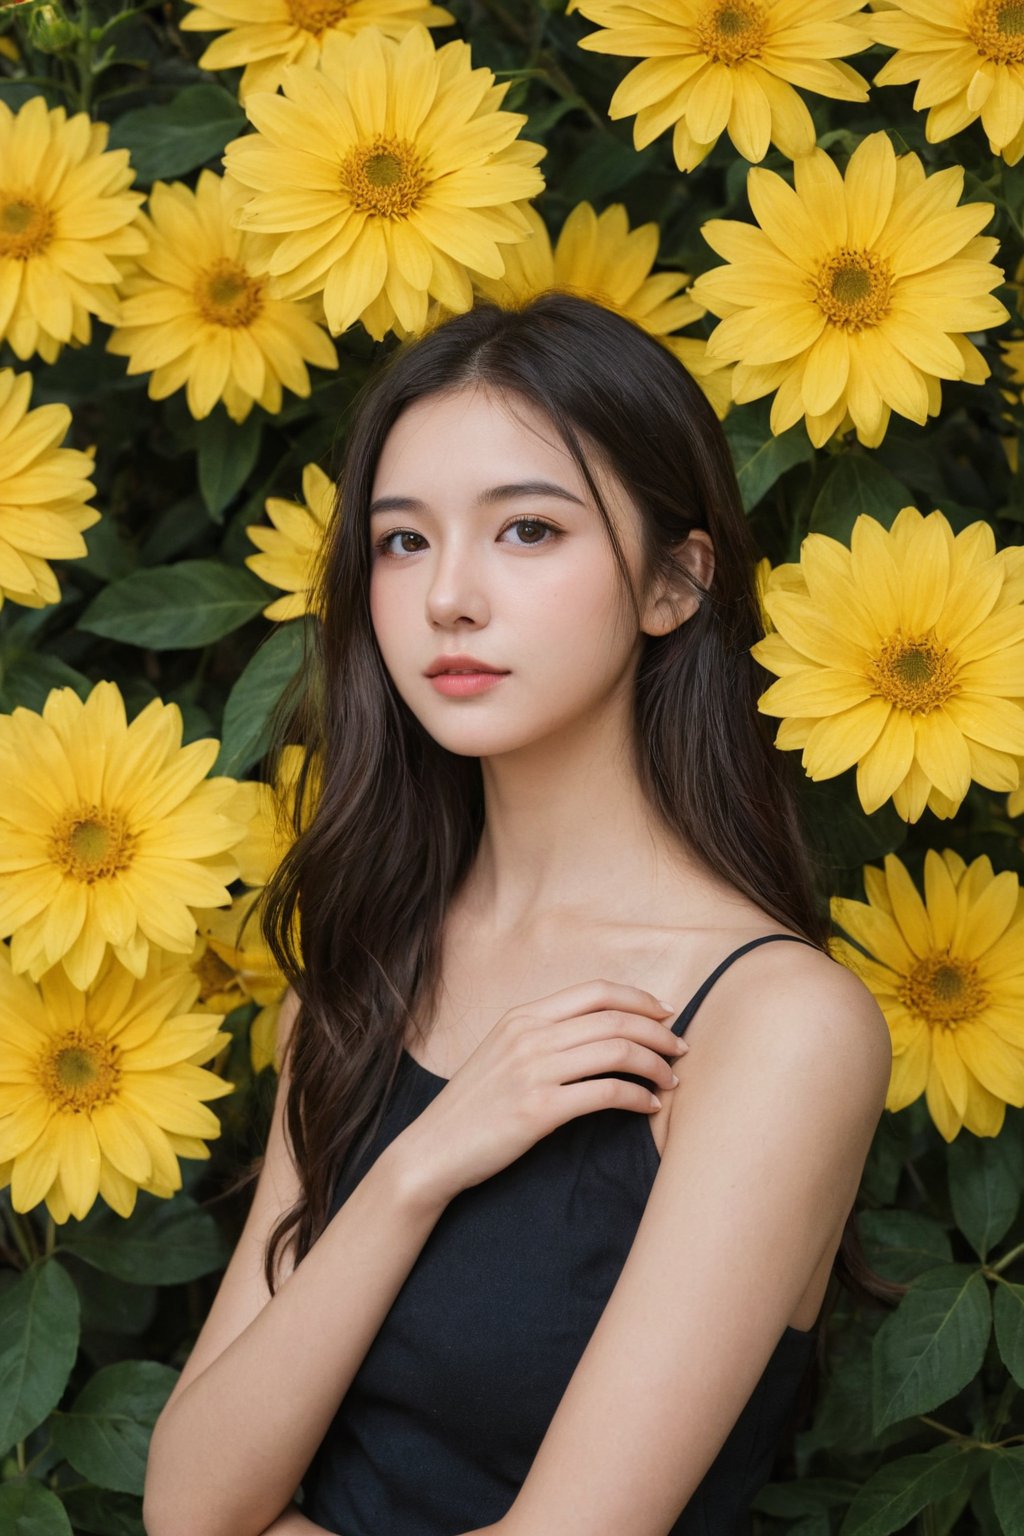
{"x": 199, "y": 312}
{"x": 108, "y": 833}
{"x": 267, "y": 35}
{"x": 269, "y": 812}
{"x": 101, "y": 1091}
{"x": 852, "y": 298}
{"x": 44, "y": 490}
{"x": 388, "y": 172}
{"x": 715, "y": 66}
{"x": 968, "y": 60}
{"x": 948, "y": 973}
{"x": 598, "y": 257}
{"x": 762, "y": 571}
{"x": 291, "y": 548}
{"x": 65, "y": 216}
{"x": 233, "y": 966}
{"x": 905, "y": 655}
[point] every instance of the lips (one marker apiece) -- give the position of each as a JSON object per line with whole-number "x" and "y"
{"x": 461, "y": 665}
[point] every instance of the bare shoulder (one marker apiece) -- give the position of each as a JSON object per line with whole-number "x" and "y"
{"x": 812, "y": 1013}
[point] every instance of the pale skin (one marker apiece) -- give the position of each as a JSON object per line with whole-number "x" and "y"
{"x": 582, "y": 902}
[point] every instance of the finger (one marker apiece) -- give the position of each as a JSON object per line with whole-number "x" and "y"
{"x": 613, "y": 1055}
{"x": 594, "y": 996}
{"x": 657, "y": 1034}
{"x": 573, "y": 1099}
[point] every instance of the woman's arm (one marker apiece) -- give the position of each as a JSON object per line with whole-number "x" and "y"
{"x": 776, "y": 1107}
{"x": 266, "y": 1376}
{"x": 294, "y": 1523}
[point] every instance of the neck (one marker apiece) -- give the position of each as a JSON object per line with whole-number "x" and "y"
{"x": 569, "y": 830}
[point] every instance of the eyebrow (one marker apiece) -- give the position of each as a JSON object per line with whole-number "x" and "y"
{"x": 494, "y": 493}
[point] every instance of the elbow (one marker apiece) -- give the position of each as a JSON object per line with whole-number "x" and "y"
{"x": 175, "y": 1504}
{"x": 169, "y": 1498}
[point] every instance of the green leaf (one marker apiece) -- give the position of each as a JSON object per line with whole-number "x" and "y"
{"x": 228, "y": 451}
{"x": 933, "y": 1344}
{"x": 29, "y": 1509}
{"x": 109, "y": 1305}
{"x": 111, "y": 554}
{"x": 15, "y": 93}
{"x": 807, "y": 1497}
{"x": 759, "y": 456}
{"x": 245, "y": 732}
{"x": 39, "y": 1331}
{"x": 887, "y": 1155}
{"x": 103, "y": 1513}
{"x": 106, "y": 1433}
{"x": 900, "y": 1489}
{"x": 900, "y": 1245}
{"x": 840, "y": 830}
{"x": 1007, "y": 1483}
{"x": 985, "y": 1175}
{"x": 1008, "y": 1312}
{"x": 604, "y": 165}
{"x": 28, "y": 678}
{"x": 176, "y": 607}
{"x": 173, "y": 138}
{"x": 163, "y": 1242}
{"x": 856, "y": 485}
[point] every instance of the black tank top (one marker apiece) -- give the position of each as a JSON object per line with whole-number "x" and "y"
{"x": 442, "y": 1422}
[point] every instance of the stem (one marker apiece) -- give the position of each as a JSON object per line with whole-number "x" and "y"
{"x": 1007, "y": 1259}
{"x": 1001, "y": 1410}
{"x": 916, "y": 1180}
{"x": 84, "y": 59}
{"x": 21, "y": 1231}
{"x": 518, "y": 29}
{"x": 27, "y": 1468}
{"x": 943, "y": 1429}
{"x": 51, "y": 1235}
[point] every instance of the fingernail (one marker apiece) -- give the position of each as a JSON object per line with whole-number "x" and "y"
{"x": 674, "y": 1079}
{"x": 668, "y": 1007}
{"x": 655, "y": 1101}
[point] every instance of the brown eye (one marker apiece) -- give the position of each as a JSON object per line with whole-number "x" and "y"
{"x": 531, "y": 530}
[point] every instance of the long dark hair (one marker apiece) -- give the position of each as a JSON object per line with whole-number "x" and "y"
{"x": 353, "y": 914}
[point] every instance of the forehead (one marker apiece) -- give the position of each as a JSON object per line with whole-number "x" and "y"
{"x": 472, "y": 437}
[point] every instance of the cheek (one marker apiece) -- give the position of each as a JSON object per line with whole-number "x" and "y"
{"x": 584, "y": 610}
{"x": 387, "y": 611}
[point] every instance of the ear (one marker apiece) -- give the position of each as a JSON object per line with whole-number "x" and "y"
{"x": 672, "y": 599}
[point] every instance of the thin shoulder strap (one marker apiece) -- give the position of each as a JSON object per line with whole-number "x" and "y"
{"x": 702, "y": 991}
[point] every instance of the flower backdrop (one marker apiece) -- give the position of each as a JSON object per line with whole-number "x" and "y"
{"x": 214, "y": 220}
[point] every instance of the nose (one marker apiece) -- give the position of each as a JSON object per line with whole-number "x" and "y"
{"x": 455, "y": 594}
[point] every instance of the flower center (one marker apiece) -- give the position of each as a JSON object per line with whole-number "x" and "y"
{"x": 91, "y": 844}
{"x": 916, "y": 675}
{"x": 852, "y": 288}
{"x": 225, "y": 294}
{"x": 316, "y": 16}
{"x": 997, "y": 31}
{"x": 943, "y": 990}
{"x": 80, "y": 1071}
{"x": 215, "y": 975}
{"x": 26, "y": 228}
{"x": 386, "y": 177}
{"x": 730, "y": 33}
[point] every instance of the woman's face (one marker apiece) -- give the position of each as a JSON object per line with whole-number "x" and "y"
{"x": 487, "y": 545}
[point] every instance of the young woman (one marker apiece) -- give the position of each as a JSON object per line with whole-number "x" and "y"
{"x": 521, "y": 1294}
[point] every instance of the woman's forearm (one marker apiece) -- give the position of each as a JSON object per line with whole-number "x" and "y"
{"x": 227, "y": 1455}
{"x": 292, "y": 1522}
